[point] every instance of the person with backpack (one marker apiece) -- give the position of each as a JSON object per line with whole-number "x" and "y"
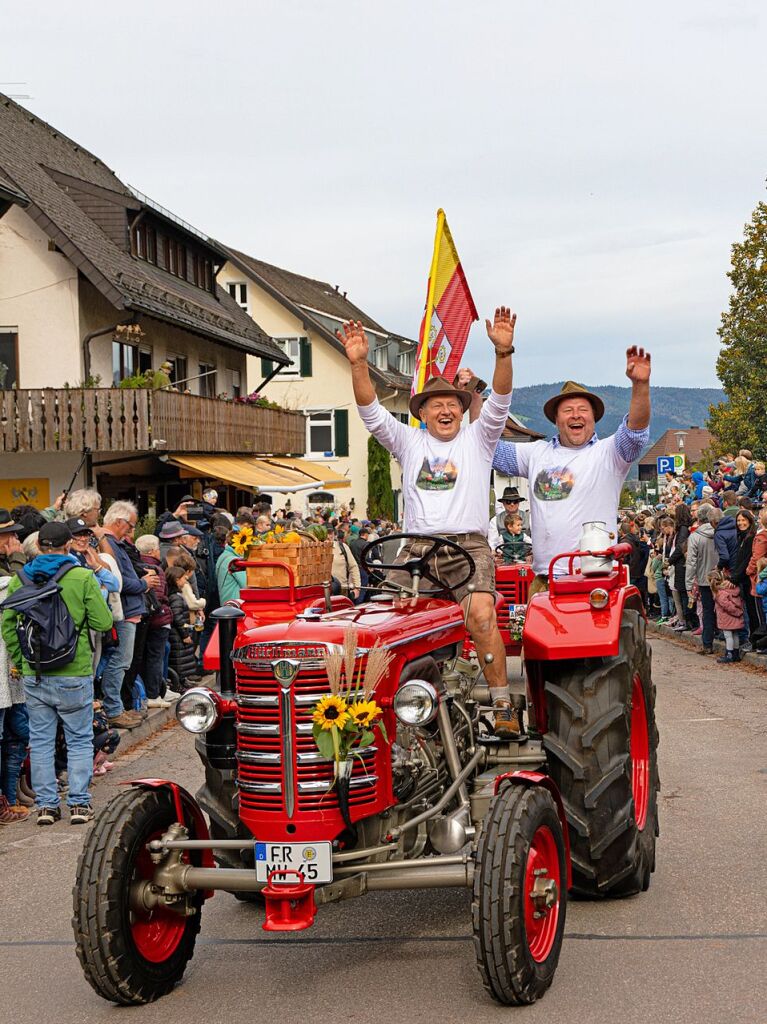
{"x": 50, "y": 608}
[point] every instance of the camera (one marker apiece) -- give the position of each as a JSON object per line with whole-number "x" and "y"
{"x": 194, "y": 513}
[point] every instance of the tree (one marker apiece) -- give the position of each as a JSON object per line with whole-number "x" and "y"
{"x": 741, "y": 421}
{"x": 380, "y": 491}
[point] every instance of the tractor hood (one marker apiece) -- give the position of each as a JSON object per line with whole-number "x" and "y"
{"x": 432, "y": 623}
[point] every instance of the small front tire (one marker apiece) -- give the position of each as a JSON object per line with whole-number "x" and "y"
{"x": 520, "y": 895}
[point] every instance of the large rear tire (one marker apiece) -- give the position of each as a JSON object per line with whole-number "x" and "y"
{"x": 129, "y": 958}
{"x": 520, "y": 895}
{"x": 602, "y": 745}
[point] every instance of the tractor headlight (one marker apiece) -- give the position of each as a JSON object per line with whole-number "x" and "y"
{"x": 416, "y": 702}
{"x": 599, "y": 598}
{"x": 198, "y": 710}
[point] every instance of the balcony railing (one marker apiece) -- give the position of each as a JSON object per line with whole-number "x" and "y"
{"x": 117, "y": 420}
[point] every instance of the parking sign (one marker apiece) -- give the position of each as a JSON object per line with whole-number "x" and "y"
{"x": 670, "y": 464}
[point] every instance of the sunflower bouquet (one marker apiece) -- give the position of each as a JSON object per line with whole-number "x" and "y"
{"x": 246, "y": 538}
{"x": 346, "y": 719}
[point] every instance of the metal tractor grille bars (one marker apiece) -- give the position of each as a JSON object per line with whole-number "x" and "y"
{"x": 514, "y": 591}
{"x": 279, "y": 767}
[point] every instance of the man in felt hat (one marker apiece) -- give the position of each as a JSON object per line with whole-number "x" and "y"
{"x": 446, "y": 482}
{"x": 510, "y": 502}
{"x": 577, "y": 477}
{"x": 12, "y": 557}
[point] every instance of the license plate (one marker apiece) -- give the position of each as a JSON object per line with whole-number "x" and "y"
{"x": 313, "y": 860}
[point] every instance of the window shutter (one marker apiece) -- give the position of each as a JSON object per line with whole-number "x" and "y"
{"x": 305, "y": 347}
{"x": 267, "y": 367}
{"x": 341, "y": 417}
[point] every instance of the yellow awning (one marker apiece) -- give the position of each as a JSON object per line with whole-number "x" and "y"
{"x": 280, "y": 476}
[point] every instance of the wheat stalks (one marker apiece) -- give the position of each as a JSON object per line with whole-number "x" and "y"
{"x": 379, "y": 660}
{"x": 333, "y": 660}
{"x": 349, "y": 655}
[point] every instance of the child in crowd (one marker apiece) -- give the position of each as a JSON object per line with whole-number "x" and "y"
{"x": 105, "y": 741}
{"x": 182, "y": 659}
{"x": 516, "y": 547}
{"x": 657, "y": 566}
{"x": 729, "y": 613}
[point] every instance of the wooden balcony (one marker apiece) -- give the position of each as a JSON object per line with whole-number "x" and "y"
{"x": 117, "y": 420}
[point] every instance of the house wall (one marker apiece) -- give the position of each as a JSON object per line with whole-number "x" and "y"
{"x": 329, "y": 387}
{"x": 163, "y": 339}
{"x": 38, "y": 296}
{"x": 36, "y": 478}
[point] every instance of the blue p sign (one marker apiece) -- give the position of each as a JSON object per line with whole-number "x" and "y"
{"x": 670, "y": 464}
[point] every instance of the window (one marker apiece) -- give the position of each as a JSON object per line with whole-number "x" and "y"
{"x": 144, "y": 242}
{"x": 236, "y": 383}
{"x": 239, "y": 293}
{"x": 292, "y": 349}
{"x": 175, "y": 257}
{"x": 144, "y": 359}
{"x": 207, "y": 373}
{"x": 178, "y": 371}
{"x": 202, "y": 272}
{"x": 406, "y": 362}
{"x": 319, "y": 433}
{"x": 382, "y": 357}
{"x": 124, "y": 361}
{"x": 9, "y": 364}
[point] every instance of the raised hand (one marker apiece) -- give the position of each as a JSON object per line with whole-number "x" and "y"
{"x": 463, "y": 378}
{"x": 354, "y": 341}
{"x": 501, "y": 331}
{"x": 637, "y": 365}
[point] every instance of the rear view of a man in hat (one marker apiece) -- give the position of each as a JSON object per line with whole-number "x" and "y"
{"x": 576, "y": 477}
{"x": 446, "y": 482}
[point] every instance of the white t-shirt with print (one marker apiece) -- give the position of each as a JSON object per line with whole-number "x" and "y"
{"x": 445, "y": 484}
{"x": 571, "y": 486}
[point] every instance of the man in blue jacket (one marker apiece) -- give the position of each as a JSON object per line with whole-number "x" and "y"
{"x": 726, "y": 541}
{"x": 119, "y": 523}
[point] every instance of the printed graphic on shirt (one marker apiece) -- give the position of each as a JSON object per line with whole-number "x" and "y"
{"x": 554, "y": 484}
{"x": 437, "y": 475}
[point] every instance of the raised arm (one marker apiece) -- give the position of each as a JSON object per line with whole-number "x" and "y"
{"x": 355, "y": 341}
{"x": 501, "y": 333}
{"x": 638, "y": 372}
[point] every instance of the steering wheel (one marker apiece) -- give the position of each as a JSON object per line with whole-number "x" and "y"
{"x": 418, "y": 566}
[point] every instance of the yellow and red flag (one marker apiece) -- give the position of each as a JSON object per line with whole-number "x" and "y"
{"x": 449, "y": 314}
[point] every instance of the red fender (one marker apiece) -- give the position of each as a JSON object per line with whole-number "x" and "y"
{"x": 564, "y": 625}
{"x": 187, "y": 809}
{"x": 522, "y": 778}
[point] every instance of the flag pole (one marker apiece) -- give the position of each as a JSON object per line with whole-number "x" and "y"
{"x": 421, "y": 369}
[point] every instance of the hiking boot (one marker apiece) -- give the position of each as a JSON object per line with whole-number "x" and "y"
{"x": 506, "y": 720}
{"x": 746, "y": 648}
{"x": 126, "y": 720}
{"x": 736, "y": 654}
{"x": 706, "y": 650}
{"x": 10, "y": 813}
{"x": 48, "y": 815}
{"x": 727, "y": 658}
{"x": 80, "y": 815}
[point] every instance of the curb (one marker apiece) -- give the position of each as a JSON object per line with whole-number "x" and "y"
{"x": 695, "y": 643}
{"x": 156, "y": 720}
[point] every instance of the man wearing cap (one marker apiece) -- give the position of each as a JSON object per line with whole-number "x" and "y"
{"x": 576, "y": 477}
{"x": 510, "y": 502}
{"x": 63, "y": 694}
{"x": 446, "y": 482}
{"x": 12, "y": 557}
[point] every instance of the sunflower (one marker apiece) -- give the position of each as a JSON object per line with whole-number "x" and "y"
{"x": 330, "y": 711}
{"x": 365, "y": 712}
{"x": 242, "y": 540}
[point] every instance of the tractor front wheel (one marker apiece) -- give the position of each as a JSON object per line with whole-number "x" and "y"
{"x": 602, "y": 746}
{"x": 129, "y": 956}
{"x": 520, "y": 895}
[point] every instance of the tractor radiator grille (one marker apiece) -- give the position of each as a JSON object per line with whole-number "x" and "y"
{"x": 514, "y": 589}
{"x": 282, "y": 771}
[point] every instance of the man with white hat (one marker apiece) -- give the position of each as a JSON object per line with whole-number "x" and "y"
{"x": 577, "y": 477}
{"x": 446, "y": 483}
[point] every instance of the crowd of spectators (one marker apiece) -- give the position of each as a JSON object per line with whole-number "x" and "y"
{"x": 700, "y": 555}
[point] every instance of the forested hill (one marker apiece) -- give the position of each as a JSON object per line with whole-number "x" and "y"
{"x": 672, "y": 408}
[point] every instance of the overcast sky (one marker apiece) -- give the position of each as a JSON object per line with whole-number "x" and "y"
{"x": 595, "y": 160}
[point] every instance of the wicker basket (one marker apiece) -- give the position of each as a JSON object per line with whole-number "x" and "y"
{"x": 310, "y": 564}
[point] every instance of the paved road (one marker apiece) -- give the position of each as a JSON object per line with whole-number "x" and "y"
{"x": 692, "y": 949}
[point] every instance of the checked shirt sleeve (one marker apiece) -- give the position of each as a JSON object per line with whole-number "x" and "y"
{"x": 629, "y": 444}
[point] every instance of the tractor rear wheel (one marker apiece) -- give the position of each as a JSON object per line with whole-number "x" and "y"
{"x": 129, "y": 957}
{"x": 602, "y": 745}
{"x": 520, "y": 895}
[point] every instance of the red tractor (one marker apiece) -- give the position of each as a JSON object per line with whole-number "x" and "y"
{"x": 437, "y": 800}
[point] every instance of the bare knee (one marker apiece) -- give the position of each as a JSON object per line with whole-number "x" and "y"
{"x": 481, "y": 620}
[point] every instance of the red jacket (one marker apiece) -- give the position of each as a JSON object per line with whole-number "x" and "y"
{"x": 758, "y": 551}
{"x": 729, "y": 608}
